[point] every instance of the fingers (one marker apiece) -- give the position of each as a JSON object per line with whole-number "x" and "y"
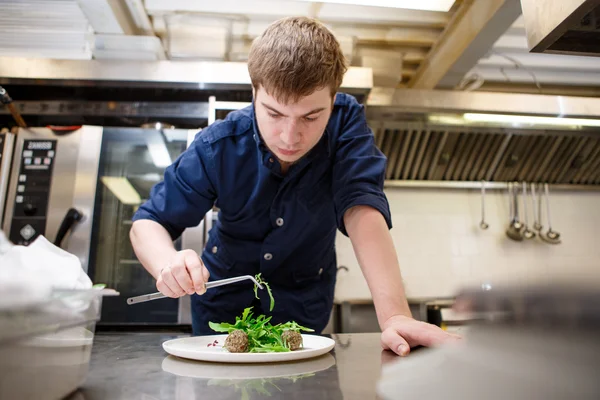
{"x": 402, "y": 333}
{"x": 185, "y": 275}
{"x": 197, "y": 272}
{"x": 432, "y": 335}
{"x": 174, "y": 280}
{"x": 180, "y": 273}
{"x": 391, "y": 339}
{"x": 167, "y": 284}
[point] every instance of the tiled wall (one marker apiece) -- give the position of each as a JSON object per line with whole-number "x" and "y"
{"x": 441, "y": 247}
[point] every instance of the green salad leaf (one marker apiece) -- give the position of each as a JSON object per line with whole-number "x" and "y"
{"x": 260, "y": 280}
{"x": 263, "y": 337}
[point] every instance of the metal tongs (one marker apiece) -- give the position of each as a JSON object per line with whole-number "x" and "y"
{"x": 159, "y": 295}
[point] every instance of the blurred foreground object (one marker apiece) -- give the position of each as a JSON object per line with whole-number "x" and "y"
{"x": 523, "y": 343}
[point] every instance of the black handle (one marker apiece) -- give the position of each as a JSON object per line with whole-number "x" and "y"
{"x": 4, "y": 96}
{"x": 71, "y": 217}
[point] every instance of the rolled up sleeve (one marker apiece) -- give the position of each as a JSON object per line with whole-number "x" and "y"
{"x": 187, "y": 192}
{"x": 359, "y": 169}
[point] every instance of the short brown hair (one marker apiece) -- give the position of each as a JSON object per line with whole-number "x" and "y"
{"x": 294, "y": 57}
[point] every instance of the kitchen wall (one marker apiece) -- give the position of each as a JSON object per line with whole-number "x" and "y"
{"x": 441, "y": 247}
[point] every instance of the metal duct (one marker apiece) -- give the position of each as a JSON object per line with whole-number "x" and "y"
{"x": 423, "y": 151}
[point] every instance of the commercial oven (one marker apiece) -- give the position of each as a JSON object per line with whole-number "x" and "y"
{"x": 80, "y": 188}
{"x": 6, "y": 150}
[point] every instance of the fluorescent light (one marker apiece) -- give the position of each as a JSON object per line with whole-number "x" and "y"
{"x": 427, "y": 5}
{"x": 122, "y": 189}
{"x": 529, "y": 120}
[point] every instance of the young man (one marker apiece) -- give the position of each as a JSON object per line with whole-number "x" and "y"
{"x": 286, "y": 173}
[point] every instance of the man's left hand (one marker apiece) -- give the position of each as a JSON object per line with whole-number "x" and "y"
{"x": 400, "y": 333}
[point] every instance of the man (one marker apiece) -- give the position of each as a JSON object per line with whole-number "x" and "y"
{"x": 286, "y": 173}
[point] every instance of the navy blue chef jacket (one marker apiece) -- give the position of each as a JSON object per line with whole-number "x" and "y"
{"x": 283, "y": 226}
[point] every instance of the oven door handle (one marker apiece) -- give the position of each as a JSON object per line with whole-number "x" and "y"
{"x": 71, "y": 218}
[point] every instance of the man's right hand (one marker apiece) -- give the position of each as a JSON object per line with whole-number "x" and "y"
{"x": 185, "y": 274}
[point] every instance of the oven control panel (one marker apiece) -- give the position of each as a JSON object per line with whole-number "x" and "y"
{"x": 33, "y": 191}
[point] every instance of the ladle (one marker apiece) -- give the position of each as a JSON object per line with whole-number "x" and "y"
{"x": 514, "y": 227}
{"x": 483, "y": 225}
{"x": 527, "y": 233}
{"x": 551, "y": 236}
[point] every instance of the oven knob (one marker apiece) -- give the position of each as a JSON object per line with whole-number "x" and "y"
{"x": 29, "y": 209}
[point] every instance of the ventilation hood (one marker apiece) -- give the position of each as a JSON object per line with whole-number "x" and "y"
{"x": 427, "y": 136}
{"x": 562, "y": 27}
{"x": 200, "y": 75}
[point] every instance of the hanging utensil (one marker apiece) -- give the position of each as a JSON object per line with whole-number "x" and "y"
{"x": 483, "y": 225}
{"x": 551, "y": 236}
{"x": 527, "y": 233}
{"x": 515, "y": 226}
{"x": 537, "y": 213}
{"x": 159, "y": 295}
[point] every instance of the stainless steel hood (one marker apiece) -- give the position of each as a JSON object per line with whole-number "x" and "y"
{"x": 563, "y": 27}
{"x": 181, "y": 74}
{"x": 421, "y": 151}
{"x": 426, "y": 138}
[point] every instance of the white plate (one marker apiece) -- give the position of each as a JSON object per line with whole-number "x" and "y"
{"x": 196, "y": 348}
{"x": 210, "y": 370}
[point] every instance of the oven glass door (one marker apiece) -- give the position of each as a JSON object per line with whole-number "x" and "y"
{"x": 132, "y": 161}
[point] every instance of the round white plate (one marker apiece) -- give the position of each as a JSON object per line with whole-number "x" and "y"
{"x": 197, "y": 348}
{"x": 210, "y": 370}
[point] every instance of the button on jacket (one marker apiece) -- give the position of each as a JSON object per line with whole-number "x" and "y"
{"x": 280, "y": 225}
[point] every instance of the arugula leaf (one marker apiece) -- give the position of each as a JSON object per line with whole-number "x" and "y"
{"x": 263, "y": 337}
{"x": 224, "y": 327}
{"x": 260, "y": 280}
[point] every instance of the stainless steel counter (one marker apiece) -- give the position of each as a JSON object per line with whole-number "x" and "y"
{"x": 134, "y": 366}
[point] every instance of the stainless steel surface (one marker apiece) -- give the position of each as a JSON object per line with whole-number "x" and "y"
{"x": 134, "y": 366}
{"x": 145, "y": 297}
{"x": 191, "y": 74}
{"x": 428, "y": 151}
{"x": 556, "y": 27}
{"x": 483, "y": 225}
{"x": 84, "y": 192}
{"x": 522, "y": 342}
{"x": 158, "y": 295}
{"x": 70, "y": 187}
{"x": 551, "y": 236}
{"x": 499, "y": 153}
{"x": 475, "y": 185}
{"x": 193, "y": 110}
{"x": 7, "y": 141}
{"x": 527, "y": 233}
{"x": 385, "y": 104}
